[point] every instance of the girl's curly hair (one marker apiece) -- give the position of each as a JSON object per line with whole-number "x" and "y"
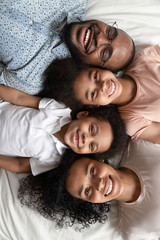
{"x": 109, "y": 114}
{"x": 46, "y": 194}
{"x": 59, "y": 79}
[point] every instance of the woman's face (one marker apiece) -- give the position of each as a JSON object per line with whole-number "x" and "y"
{"x": 88, "y": 134}
{"x": 93, "y": 181}
{"x": 94, "y": 86}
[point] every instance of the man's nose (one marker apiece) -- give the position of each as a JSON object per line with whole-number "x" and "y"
{"x": 101, "y": 38}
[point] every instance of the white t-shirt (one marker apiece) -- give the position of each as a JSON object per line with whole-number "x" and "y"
{"x": 141, "y": 219}
{"x": 28, "y": 132}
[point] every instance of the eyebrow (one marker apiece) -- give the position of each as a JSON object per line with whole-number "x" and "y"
{"x": 82, "y": 187}
{"x": 89, "y": 76}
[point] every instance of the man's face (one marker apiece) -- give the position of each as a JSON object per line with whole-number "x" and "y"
{"x": 90, "y": 39}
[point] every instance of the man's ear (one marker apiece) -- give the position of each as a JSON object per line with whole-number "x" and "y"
{"x": 82, "y": 114}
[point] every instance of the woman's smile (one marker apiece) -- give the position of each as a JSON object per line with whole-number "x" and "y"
{"x": 109, "y": 187}
{"x": 93, "y": 181}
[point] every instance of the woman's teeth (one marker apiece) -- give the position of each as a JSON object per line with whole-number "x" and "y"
{"x": 113, "y": 87}
{"x": 109, "y": 188}
{"x": 87, "y": 37}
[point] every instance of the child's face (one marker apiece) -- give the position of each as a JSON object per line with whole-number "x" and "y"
{"x": 93, "y": 181}
{"x": 88, "y": 135}
{"x": 94, "y": 86}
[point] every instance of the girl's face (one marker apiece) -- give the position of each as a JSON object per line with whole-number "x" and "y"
{"x": 88, "y": 134}
{"x": 94, "y": 181}
{"x": 94, "y": 86}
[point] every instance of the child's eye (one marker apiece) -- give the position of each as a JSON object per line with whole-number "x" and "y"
{"x": 95, "y": 77}
{"x": 92, "y": 129}
{"x": 92, "y": 94}
{"x": 92, "y": 171}
{"x": 87, "y": 191}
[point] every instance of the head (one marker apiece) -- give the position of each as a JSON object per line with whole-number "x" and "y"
{"x": 94, "y": 86}
{"x": 77, "y": 86}
{"x": 46, "y": 193}
{"x": 99, "y": 44}
{"x": 99, "y": 131}
{"x": 59, "y": 79}
{"x": 93, "y": 181}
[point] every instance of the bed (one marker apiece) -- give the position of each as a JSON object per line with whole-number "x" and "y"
{"x": 141, "y": 20}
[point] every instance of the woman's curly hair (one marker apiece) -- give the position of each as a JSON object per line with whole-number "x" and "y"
{"x": 46, "y": 194}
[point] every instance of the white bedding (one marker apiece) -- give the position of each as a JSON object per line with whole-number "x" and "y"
{"x": 141, "y": 19}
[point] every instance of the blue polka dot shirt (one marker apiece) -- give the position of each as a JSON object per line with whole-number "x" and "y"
{"x": 30, "y": 38}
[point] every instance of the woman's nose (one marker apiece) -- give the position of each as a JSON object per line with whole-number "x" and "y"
{"x": 102, "y": 85}
{"x": 100, "y": 184}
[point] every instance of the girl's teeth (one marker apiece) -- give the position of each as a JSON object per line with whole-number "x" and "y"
{"x": 109, "y": 188}
{"x": 87, "y": 37}
{"x": 112, "y": 88}
{"x": 76, "y": 137}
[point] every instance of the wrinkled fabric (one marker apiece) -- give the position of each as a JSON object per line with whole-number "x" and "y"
{"x": 30, "y": 38}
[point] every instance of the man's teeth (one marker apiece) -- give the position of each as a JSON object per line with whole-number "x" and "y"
{"x": 87, "y": 37}
{"x": 109, "y": 188}
{"x": 112, "y": 88}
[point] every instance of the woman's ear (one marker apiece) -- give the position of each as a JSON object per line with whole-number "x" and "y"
{"x": 82, "y": 114}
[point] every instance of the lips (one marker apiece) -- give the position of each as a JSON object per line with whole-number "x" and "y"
{"x": 88, "y": 36}
{"x": 112, "y": 88}
{"x": 76, "y": 138}
{"x": 109, "y": 187}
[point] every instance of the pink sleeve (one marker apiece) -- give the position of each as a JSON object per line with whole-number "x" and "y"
{"x": 135, "y": 124}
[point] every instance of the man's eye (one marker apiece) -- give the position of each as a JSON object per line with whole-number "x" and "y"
{"x": 92, "y": 94}
{"x": 92, "y": 171}
{"x": 104, "y": 53}
{"x": 111, "y": 33}
{"x": 87, "y": 191}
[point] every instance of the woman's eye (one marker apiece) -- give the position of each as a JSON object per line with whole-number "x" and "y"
{"x": 87, "y": 191}
{"x": 92, "y": 147}
{"x": 92, "y": 171}
{"x": 92, "y": 94}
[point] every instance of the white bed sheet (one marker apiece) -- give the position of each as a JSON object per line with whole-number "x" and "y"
{"x": 140, "y": 19}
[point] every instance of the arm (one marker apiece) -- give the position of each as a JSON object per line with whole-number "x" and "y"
{"x": 15, "y": 164}
{"x": 151, "y": 133}
{"x": 18, "y": 97}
